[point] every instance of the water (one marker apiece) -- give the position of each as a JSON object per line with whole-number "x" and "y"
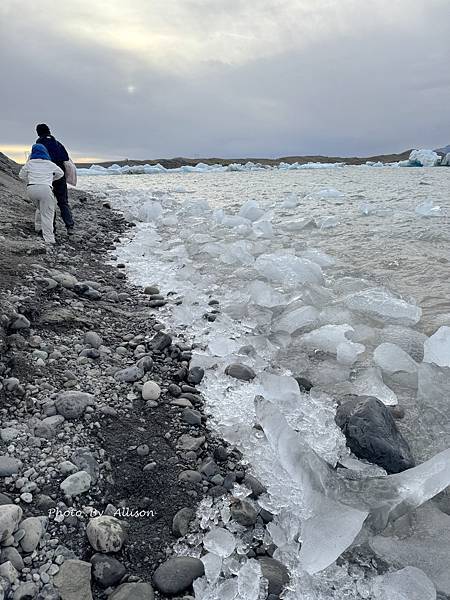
{"x": 352, "y": 230}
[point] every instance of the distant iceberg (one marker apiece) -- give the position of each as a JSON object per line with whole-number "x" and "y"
{"x": 202, "y": 168}
{"x": 421, "y": 158}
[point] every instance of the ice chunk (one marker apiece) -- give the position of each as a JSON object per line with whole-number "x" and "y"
{"x": 327, "y": 222}
{"x": 288, "y": 269}
{"x": 322, "y": 259}
{"x": 263, "y": 294}
{"x": 299, "y": 224}
{"x": 219, "y": 541}
{"x": 423, "y": 158}
{"x": 222, "y": 346}
{"x": 213, "y": 566}
{"x": 294, "y": 320}
{"x": 280, "y": 388}
{"x": 392, "y": 358}
{"x": 427, "y": 209}
{"x": 437, "y": 347}
{"x": 289, "y": 201}
{"x": 237, "y": 252}
{"x": 347, "y": 352}
{"x": 409, "y": 583}
{"x": 326, "y": 338}
{"x": 425, "y": 547}
{"x": 409, "y": 340}
{"x": 150, "y": 211}
{"x": 249, "y": 580}
{"x": 370, "y": 383}
{"x": 330, "y": 194}
{"x": 377, "y": 303}
{"x": 263, "y": 229}
{"x": 251, "y": 211}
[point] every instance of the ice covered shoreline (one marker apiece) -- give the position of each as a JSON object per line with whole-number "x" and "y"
{"x": 179, "y": 240}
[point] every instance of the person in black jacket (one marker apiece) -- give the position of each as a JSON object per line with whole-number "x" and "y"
{"x": 58, "y": 154}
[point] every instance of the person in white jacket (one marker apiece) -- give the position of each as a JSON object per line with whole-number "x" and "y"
{"x": 40, "y": 172}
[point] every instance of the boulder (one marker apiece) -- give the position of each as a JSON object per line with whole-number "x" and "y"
{"x": 372, "y": 434}
{"x": 107, "y": 571}
{"x": 72, "y": 405}
{"x": 10, "y": 516}
{"x": 74, "y": 580}
{"x": 177, "y": 574}
{"x": 106, "y": 534}
{"x": 34, "y": 528}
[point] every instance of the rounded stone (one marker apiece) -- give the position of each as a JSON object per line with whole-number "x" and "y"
{"x": 151, "y": 390}
{"x": 106, "y": 534}
{"x": 133, "y": 591}
{"x": 177, "y": 574}
{"x": 108, "y": 571}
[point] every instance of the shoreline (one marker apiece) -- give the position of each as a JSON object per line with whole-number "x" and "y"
{"x": 70, "y": 322}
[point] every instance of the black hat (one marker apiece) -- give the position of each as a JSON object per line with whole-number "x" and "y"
{"x": 42, "y": 129}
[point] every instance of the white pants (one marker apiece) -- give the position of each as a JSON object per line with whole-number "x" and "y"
{"x": 45, "y": 202}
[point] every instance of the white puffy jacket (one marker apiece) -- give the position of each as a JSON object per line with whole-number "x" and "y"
{"x": 40, "y": 171}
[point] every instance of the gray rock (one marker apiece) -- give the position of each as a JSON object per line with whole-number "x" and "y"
{"x": 8, "y": 434}
{"x": 190, "y": 476}
{"x": 65, "y": 279}
{"x": 241, "y": 372}
{"x": 151, "y": 391}
{"x": 195, "y": 375}
{"x": 34, "y": 528}
{"x": 9, "y": 572}
{"x": 76, "y": 484}
{"x": 160, "y": 342}
{"x": 73, "y": 404}
{"x": 256, "y": 486}
{"x": 151, "y": 290}
{"x": 20, "y": 322}
{"x": 48, "y": 592}
{"x": 10, "y": 553}
{"x": 48, "y": 427}
{"x": 193, "y": 417}
{"x": 276, "y": 574}
{"x": 10, "y": 516}
{"x": 177, "y": 574}
{"x": 85, "y": 461}
{"x": 209, "y": 467}
{"x": 243, "y": 512}
{"x": 27, "y": 591}
{"x": 372, "y": 434}
{"x": 188, "y": 442}
{"x": 145, "y": 363}
{"x": 106, "y": 570}
{"x": 93, "y": 339}
{"x": 106, "y": 534}
{"x": 74, "y": 580}
{"x": 133, "y": 591}
{"x": 180, "y": 523}
{"x": 9, "y": 466}
{"x": 129, "y": 375}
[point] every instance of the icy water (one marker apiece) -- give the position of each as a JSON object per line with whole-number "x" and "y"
{"x": 345, "y": 248}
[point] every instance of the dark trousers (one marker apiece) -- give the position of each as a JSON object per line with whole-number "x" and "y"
{"x": 62, "y": 198}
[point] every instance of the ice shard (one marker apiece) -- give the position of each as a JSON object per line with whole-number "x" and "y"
{"x": 437, "y": 348}
{"x": 409, "y": 583}
{"x": 337, "y": 508}
{"x": 327, "y": 338}
{"x": 381, "y": 305}
{"x": 392, "y": 359}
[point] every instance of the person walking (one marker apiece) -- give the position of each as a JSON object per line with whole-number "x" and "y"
{"x": 39, "y": 172}
{"x": 58, "y": 154}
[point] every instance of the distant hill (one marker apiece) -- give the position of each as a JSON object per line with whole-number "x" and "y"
{"x": 445, "y": 150}
{"x": 173, "y": 163}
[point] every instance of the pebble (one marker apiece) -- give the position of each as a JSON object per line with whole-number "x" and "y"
{"x": 20, "y": 322}
{"x": 106, "y": 534}
{"x": 193, "y": 417}
{"x": 243, "y": 512}
{"x": 180, "y": 522}
{"x": 275, "y": 572}
{"x": 106, "y": 570}
{"x": 195, "y": 375}
{"x": 9, "y": 466}
{"x": 188, "y": 442}
{"x": 242, "y": 372}
{"x": 34, "y": 528}
{"x": 133, "y": 591}
{"x": 129, "y": 375}
{"x": 93, "y": 339}
{"x": 177, "y": 574}
{"x": 151, "y": 390}
{"x": 76, "y": 484}
{"x": 72, "y": 405}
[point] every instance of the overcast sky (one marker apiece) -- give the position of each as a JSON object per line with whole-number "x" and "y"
{"x": 232, "y": 78}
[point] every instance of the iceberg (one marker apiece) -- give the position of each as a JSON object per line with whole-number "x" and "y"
{"x": 437, "y": 347}
{"x": 336, "y": 509}
{"x": 423, "y": 158}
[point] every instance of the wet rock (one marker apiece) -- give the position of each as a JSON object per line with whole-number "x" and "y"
{"x": 256, "y": 486}
{"x": 160, "y": 342}
{"x": 177, "y": 574}
{"x": 174, "y": 390}
{"x": 220, "y": 454}
{"x": 9, "y": 466}
{"x": 151, "y": 391}
{"x": 76, "y": 484}
{"x": 106, "y": 534}
{"x": 193, "y": 417}
{"x": 85, "y": 461}
{"x": 195, "y": 375}
{"x": 129, "y": 375}
{"x": 151, "y": 290}
{"x": 242, "y": 372}
{"x": 106, "y": 570}
{"x": 93, "y": 339}
{"x": 133, "y": 591}
{"x": 372, "y": 434}
{"x": 276, "y": 574}
{"x": 304, "y": 384}
{"x": 34, "y": 528}
{"x": 243, "y": 512}
{"x": 72, "y": 405}
{"x": 209, "y": 467}
{"x": 180, "y": 523}
{"x": 74, "y": 580}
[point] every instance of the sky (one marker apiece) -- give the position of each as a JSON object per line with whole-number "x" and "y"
{"x": 141, "y": 79}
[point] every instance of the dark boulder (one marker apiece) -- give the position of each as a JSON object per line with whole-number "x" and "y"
{"x": 372, "y": 434}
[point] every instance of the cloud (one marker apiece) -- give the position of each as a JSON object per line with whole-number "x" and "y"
{"x": 207, "y": 77}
